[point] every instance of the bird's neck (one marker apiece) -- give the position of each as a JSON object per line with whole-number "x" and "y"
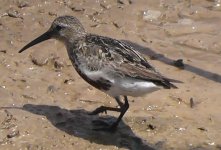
{"x": 73, "y": 44}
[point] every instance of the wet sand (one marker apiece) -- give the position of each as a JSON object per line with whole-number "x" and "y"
{"x": 44, "y": 102}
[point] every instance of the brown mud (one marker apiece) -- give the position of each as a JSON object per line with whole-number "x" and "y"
{"x": 44, "y": 102}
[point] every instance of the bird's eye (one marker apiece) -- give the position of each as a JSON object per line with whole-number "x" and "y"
{"x": 58, "y": 27}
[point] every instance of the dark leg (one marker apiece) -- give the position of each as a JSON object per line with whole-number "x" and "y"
{"x": 102, "y": 109}
{"x": 119, "y": 102}
{"x": 123, "y": 108}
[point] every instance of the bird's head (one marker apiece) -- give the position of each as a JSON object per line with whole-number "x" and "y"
{"x": 64, "y": 28}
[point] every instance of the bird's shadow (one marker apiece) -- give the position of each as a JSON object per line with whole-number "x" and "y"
{"x": 79, "y": 124}
{"x": 160, "y": 57}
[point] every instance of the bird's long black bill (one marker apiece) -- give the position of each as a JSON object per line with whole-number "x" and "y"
{"x": 43, "y": 37}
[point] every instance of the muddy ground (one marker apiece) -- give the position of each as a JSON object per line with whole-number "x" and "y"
{"x": 44, "y": 103}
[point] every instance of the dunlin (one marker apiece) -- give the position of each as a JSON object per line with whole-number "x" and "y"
{"x": 109, "y": 65}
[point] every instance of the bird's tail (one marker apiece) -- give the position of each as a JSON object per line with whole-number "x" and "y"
{"x": 173, "y": 81}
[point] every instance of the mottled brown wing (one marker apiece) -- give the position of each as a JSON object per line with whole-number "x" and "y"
{"x": 140, "y": 72}
{"x": 115, "y": 50}
{"x": 125, "y": 60}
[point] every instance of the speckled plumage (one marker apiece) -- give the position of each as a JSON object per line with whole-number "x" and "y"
{"x": 98, "y": 52}
{"x": 108, "y": 64}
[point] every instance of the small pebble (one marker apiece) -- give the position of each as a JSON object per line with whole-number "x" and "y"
{"x": 125, "y": 2}
{"x": 23, "y": 4}
{"x": 191, "y": 103}
{"x": 13, "y": 133}
{"x": 52, "y": 13}
{"x": 39, "y": 63}
{"x": 69, "y": 81}
{"x": 28, "y": 96}
{"x": 51, "y": 88}
{"x": 76, "y": 8}
{"x": 14, "y": 13}
{"x": 58, "y": 64}
{"x": 105, "y": 6}
{"x": 179, "y": 63}
{"x": 202, "y": 129}
{"x": 3, "y": 51}
{"x": 38, "y": 60}
{"x": 150, "y": 126}
{"x": 116, "y": 25}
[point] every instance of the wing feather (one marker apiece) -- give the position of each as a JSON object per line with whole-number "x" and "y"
{"x": 122, "y": 58}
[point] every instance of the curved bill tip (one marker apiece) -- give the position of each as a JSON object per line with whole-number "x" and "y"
{"x": 47, "y": 35}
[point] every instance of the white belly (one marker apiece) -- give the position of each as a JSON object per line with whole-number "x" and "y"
{"x": 123, "y": 86}
{"x": 131, "y": 87}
